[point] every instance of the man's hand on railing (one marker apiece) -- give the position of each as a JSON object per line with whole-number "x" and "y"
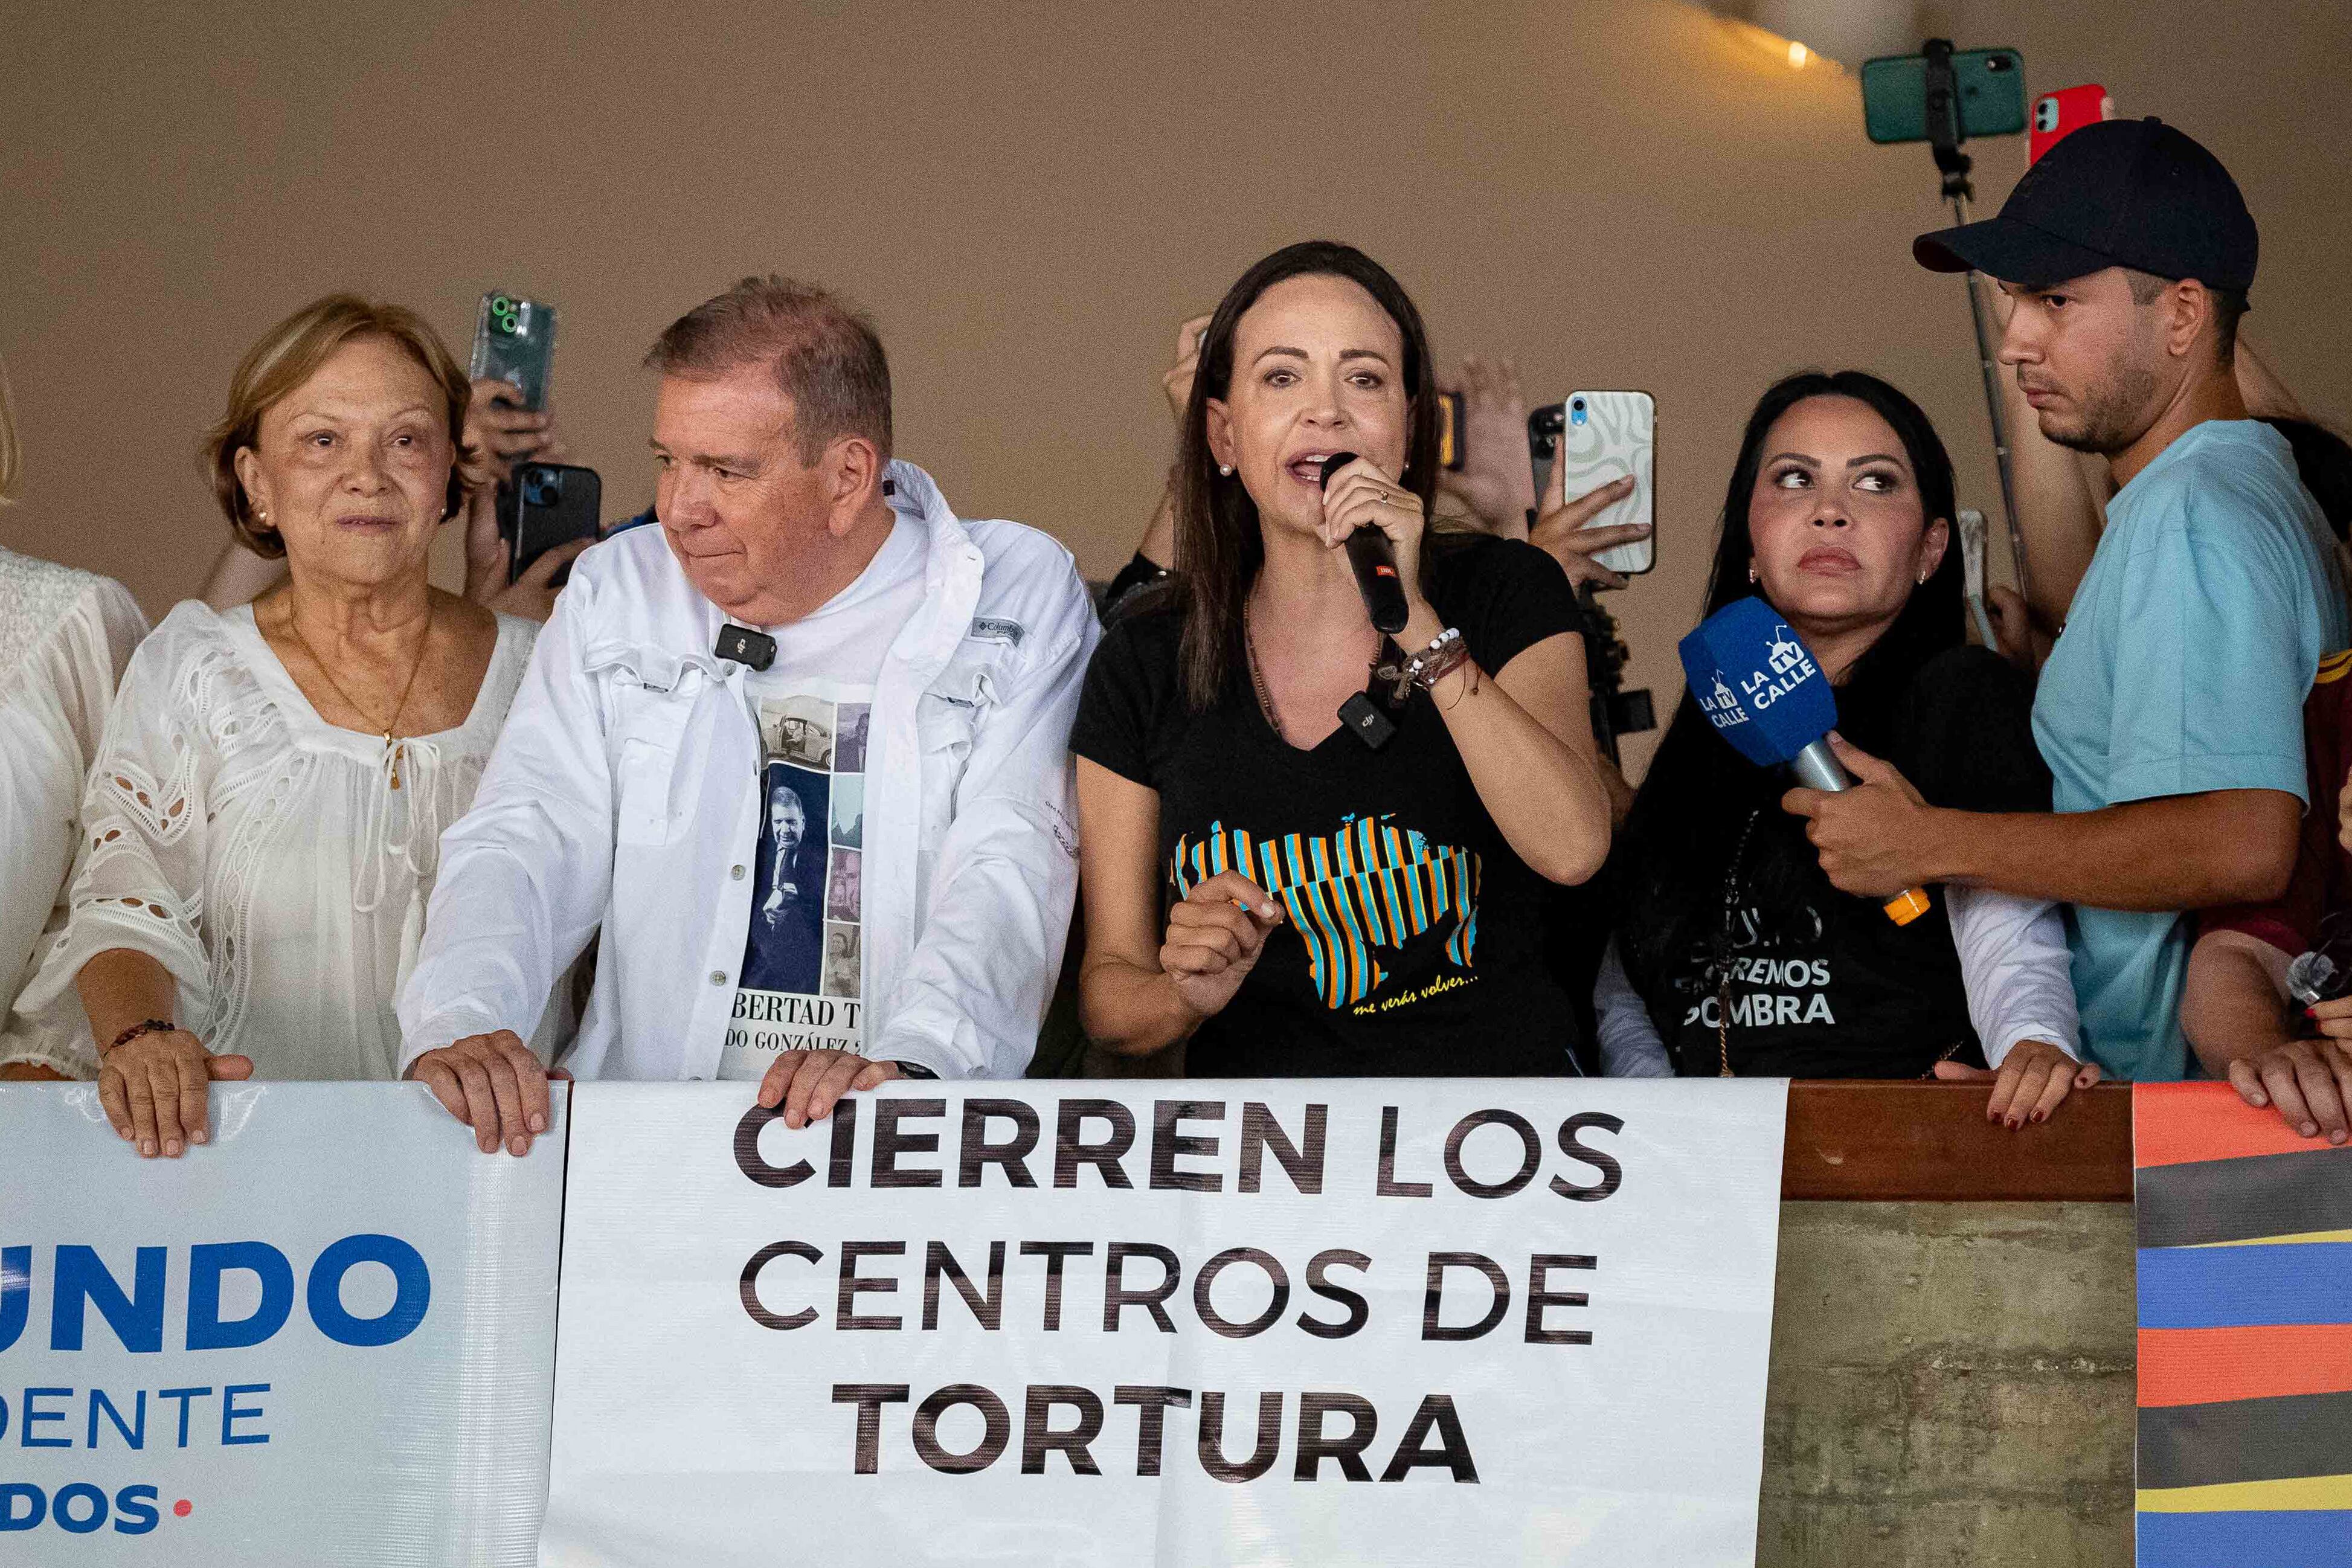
{"x": 807, "y": 1084}
{"x": 493, "y": 1084}
{"x": 2033, "y": 1081}
{"x": 2310, "y": 1082}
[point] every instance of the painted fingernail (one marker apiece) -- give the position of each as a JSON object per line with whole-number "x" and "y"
{"x": 538, "y": 1122}
{"x": 2041, "y": 1116}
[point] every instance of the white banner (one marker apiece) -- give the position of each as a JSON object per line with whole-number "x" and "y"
{"x": 325, "y": 1337}
{"x": 1379, "y": 1321}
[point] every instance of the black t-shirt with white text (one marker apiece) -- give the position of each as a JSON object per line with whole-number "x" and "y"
{"x": 1414, "y": 943}
{"x": 1817, "y": 983}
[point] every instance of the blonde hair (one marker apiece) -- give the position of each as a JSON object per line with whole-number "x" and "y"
{"x": 11, "y": 460}
{"x": 288, "y": 354}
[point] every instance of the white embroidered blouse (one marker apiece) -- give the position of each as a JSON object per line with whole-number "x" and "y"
{"x": 65, "y": 636}
{"x": 261, "y": 855}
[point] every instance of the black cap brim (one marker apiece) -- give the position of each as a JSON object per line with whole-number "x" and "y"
{"x": 2008, "y": 251}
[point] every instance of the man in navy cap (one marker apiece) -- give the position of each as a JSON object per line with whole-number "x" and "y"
{"x": 2170, "y": 710}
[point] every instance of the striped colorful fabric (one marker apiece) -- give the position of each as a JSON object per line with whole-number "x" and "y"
{"x": 1351, "y": 894}
{"x": 2245, "y": 1335}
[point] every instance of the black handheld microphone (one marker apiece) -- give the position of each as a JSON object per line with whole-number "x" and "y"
{"x": 1374, "y": 559}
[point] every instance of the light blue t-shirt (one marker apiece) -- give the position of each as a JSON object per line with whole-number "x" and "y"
{"x": 2186, "y": 659}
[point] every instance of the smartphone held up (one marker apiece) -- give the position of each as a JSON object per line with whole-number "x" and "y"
{"x": 543, "y": 507}
{"x": 1598, "y": 438}
{"x": 514, "y": 342}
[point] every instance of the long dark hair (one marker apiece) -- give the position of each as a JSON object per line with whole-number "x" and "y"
{"x": 1671, "y": 853}
{"x": 1218, "y": 546}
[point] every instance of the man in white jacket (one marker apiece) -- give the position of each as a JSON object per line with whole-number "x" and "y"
{"x": 801, "y": 753}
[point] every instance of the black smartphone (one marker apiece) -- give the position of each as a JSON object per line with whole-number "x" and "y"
{"x": 544, "y": 505}
{"x": 1450, "y": 452}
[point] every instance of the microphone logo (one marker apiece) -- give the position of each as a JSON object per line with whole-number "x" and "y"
{"x": 1787, "y": 665}
{"x": 1720, "y": 706}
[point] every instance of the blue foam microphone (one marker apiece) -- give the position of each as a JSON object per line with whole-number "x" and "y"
{"x": 1758, "y": 685}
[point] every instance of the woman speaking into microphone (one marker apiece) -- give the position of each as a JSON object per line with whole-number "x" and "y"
{"x": 1310, "y": 847}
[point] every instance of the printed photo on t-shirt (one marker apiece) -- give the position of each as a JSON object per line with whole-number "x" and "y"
{"x": 848, "y": 810}
{"x": 802, "y": 952}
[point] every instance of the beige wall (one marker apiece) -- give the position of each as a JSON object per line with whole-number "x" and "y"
{"x": 1029, "y": 197}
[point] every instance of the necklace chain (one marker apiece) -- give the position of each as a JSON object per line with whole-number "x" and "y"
{"x": 392, "y": 747}
{"x": 1257, "y": 679}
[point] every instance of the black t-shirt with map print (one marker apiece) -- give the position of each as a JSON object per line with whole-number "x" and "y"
{"x": 1415, "y": 941}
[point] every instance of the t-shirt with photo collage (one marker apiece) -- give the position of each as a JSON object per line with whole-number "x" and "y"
{"x": 801, "y": 987}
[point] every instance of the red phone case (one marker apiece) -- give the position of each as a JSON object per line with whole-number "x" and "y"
{"x": 2055, "y": 114}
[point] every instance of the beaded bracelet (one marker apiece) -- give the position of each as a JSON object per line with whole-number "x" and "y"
{"x": 144, "y": 1027}
{"x": 1442, "y": 658}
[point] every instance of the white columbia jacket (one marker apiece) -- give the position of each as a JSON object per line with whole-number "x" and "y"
{"x": 625, "y": 793}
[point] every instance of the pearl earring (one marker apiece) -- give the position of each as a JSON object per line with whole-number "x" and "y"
{"x": 1226, "y": 470}
{"x": 1751, "y": 571}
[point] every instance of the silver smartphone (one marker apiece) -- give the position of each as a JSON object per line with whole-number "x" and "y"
{"x": 1604, "y": 436}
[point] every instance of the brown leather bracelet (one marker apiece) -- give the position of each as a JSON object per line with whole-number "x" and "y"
{"x": 144, "y": 1027}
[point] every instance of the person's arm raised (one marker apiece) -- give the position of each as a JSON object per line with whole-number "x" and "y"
{"x": 1524, "y": 734}
{"x": 1157, "y": 545}
{"x": 1497, "y": 481}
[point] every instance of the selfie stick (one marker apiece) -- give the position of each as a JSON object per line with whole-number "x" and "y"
{"x": 1943, "y": 136}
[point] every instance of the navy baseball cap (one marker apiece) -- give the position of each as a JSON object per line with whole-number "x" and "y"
{"x": 2121, "y": 192}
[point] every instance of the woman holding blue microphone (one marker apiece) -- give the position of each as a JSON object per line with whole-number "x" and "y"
{"x": 1733, "y": 954}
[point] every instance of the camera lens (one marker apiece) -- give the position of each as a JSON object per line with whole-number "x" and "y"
{"x": 1998, "y": 63}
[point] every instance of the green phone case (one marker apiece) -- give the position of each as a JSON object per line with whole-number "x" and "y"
{"x": 1991, "y": 83}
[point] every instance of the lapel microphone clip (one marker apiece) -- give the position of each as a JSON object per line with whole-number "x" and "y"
{"x": 743, "y": 646}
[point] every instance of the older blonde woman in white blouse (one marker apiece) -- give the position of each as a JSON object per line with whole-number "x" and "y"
{"x": 260, "y": 831}
{"x": 65, "y": 636}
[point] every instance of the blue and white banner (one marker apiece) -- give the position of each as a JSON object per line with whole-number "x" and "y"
{"x": 1365, "y": 1321}
{"x": 326, "y": 1337}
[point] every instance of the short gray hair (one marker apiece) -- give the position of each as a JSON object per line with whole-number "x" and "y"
{"x": 825, "y": 352}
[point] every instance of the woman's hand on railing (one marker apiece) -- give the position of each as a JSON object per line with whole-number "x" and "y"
{"x": 155, "y": 1088}
{"x": 2033, "y": 1081}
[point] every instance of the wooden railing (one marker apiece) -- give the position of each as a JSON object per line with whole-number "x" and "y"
{"x": 1910, "y": 1141}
